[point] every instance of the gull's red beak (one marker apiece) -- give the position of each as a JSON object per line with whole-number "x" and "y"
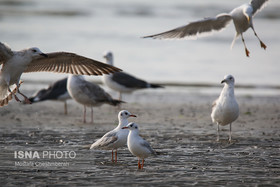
{"x": 126, "y": 127}
{"x": 132, "y": 115}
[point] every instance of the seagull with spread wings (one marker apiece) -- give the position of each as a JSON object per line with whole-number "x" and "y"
{"x": 242, "y": 17}
{"x": 14, "y": 63}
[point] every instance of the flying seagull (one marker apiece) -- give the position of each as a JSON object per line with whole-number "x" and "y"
{"x": 242, "y": 17}
{"x": 88, "y": 93}
{"x": 56, "y": 91}
{"x": 137, "y": 145}
{"x": 14, "y": 63}
{"x": 225, "y": 109}
{"x": 117, "y": 137}
{"x": 123, "y": 82}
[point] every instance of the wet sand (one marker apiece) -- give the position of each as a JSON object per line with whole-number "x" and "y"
{"x": 177, "y": 125}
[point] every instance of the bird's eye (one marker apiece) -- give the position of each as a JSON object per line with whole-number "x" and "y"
{"x": 121, "y": 114}
{"x": 136, "y": 127}
{"x": 125, "y": 113}
{"x": 131, "y": 125}
{"x": 34, "y": 50}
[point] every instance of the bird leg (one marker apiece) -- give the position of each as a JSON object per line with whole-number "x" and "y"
{"x": 112, "y": 155}
{"x": 142, "y": 163}
{"x": 262, "y": 44}
{"x": 91, "y": 115}
{"x": 120, "y": 96}
{"x": 218, "y": 132}
{"x": 139, "y": 165}
{"x": 26, "y": 100}
{"x": 246, "y": 50}
{"x": 65, "y": 108}
{"x": 85, "y": 110}
{"x": 116, "y": 156}
{"x": 16, "y": 98}
{"x": 229, "y": 133}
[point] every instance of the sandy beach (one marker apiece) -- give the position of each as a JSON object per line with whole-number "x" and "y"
{"x": 177, "y": 125}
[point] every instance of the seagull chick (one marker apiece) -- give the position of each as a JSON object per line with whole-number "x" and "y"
{"x": 123, "y": 82}
{"x": 225, "y": 109}
{"x": 137, "y": 145}
{"x": 117, "y": 137}
{"x": 242, "y": 17}
{"x": 14, "y": 63}
{"x": 88, "y": 93}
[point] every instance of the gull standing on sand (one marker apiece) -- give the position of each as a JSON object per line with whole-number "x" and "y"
{"x": 225, "y": 109}
{"x": 117, "y": 137}
{"x": 56, "y": 91}
{"x": 14, "y": 63}
{"x": 88, "y": 93}
{"x": 137, "y": 145}
{"x": 123, "y": 82}
{"x": 242, "y": 17}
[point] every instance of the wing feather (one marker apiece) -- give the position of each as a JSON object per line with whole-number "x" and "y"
{"x": 258, "y": 5}
{"x": 5, "y": 53}
{"x": 196, "y": 28}
{"x": 63, "y": 62}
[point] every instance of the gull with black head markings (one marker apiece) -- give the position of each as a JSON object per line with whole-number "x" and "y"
{"x": 137, "y": 145}
{"x": 117, "y": 137}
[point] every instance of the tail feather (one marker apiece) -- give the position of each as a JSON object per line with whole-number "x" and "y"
{"x": 156, "y": 86}
{"x": 116, "y": 102}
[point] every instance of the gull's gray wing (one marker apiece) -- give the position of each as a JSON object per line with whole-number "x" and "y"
{"x": 258, "y": 5}
{"x": 145, "y": 144}
{"x": 195, "y": 28}
{"x": 105, "y": 141}
{"x": 63, "y": 62}
{"x": 128, "y": 80}
{"x": 95, "y": 92}
{"x": 5, "y": 53}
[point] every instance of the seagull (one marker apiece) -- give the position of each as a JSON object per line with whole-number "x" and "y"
{"x": 137, "y": 145}
{"x": 88, "y": 93}
{"x": 225, "y": 109}
{"x": 242, "y": 17}
{"x": 14, "y": 63}
{"x": 57, "y": 91}
{"x": 123, "y": 82}
{"x": 117, "y": 137}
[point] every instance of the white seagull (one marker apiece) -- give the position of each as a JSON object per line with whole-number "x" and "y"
{"x": 225, "y": 109}
{"x": 14, "y": 63}
{"x": 123, "y": 82}
{"x": 242, "y": 17}
{"x": 117, "y": 137}
{"x": 57, "y": 91}
{"x": 88, "y": 93}
{"x": 137, "y": 145}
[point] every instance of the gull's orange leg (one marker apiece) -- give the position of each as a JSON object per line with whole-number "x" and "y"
{"x": 116, "y": 156}
{"x": 139, "y": 165}
{"x": 112, "y": 155}
{"x": 246, "y": 50}
{"x": 262, "y": 44}
{"x": 143, "y": 163}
